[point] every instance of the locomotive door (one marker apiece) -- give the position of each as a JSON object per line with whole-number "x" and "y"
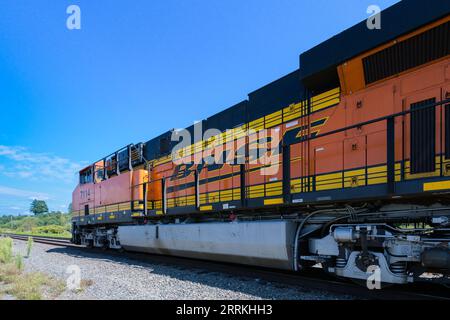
{"x": 87, "y": 192}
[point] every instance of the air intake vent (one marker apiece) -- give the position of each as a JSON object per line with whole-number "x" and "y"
{"x": 425, "y": 47}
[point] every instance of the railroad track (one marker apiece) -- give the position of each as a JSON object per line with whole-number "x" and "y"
{"x": 312, "y": 279}
{"x": 41, "y": 239}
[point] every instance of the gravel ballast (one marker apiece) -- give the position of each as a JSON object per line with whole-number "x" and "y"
{"x": 107, "y": 276}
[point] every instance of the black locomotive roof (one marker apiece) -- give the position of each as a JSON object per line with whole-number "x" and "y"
{"x": 401, "y": 18}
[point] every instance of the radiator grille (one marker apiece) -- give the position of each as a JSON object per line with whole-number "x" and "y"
{"x": 425, "y": 47}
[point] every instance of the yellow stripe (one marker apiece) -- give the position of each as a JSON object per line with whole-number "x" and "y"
{"x": 273, "y": 119}
{"x": 377, "y": 169}
{"x": 112, "y": 208}
{"x": 335, "y": 180}
{"x": 100, "y": 210}
{"x": 274, "y": 193}
{"x": 354, "y": 173}
{"x": 325, "y": 104}
{"x": 292, "y": 112}
{"x": 377, "y": 175}
{"x": 256, "y": 195}
{"x": 377, "y": 180}
{"x": 257, "y": 124}
{"x": 325, "y": 177}
{"x": 206, "y": 208}
{"x": 434, "y": 186}
{"x": 329, "y": 186}
{"x": 295, "y": 185}
{"x": 326, "y": 94}
{"x": 273, "y": 201}
{"x": 272, "y": 184}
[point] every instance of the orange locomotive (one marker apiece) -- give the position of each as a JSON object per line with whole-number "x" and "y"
{"x": 344, "y": 162}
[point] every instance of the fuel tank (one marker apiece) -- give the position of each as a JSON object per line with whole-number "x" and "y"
{"x": 259, "y": 243}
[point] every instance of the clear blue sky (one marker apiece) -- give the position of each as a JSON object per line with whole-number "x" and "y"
{"x": 135, "y": 69}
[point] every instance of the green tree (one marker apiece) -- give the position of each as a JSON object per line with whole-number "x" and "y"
{"x": 38, "y": 207}
{"x": 69, "y": 208}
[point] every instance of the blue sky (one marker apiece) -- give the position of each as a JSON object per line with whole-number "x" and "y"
{"x": 134, "y": 70}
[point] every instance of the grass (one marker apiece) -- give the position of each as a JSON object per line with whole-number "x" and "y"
{"x": 29, "y": 286}
{"x": 6, "y": 250}
{"x": 22, "y": 285}
{"x": 19, "y": 262}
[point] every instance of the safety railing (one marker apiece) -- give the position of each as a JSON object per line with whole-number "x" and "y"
{"x": 392, "y": 153}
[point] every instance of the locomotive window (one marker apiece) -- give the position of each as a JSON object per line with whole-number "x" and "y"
{"x": 423, "y": 137}
{"x": 111, "y": 166}
{"x": 86, "y": 177}
{"x": 99, "y": 175}
{"x": 86, "y": 210}
{"x": 124, "y": 160}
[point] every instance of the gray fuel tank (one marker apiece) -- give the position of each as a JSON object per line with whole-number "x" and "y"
{"x": 259, "y": 243}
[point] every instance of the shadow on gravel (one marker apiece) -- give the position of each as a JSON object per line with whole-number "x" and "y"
{"x": 219, "y": 275}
